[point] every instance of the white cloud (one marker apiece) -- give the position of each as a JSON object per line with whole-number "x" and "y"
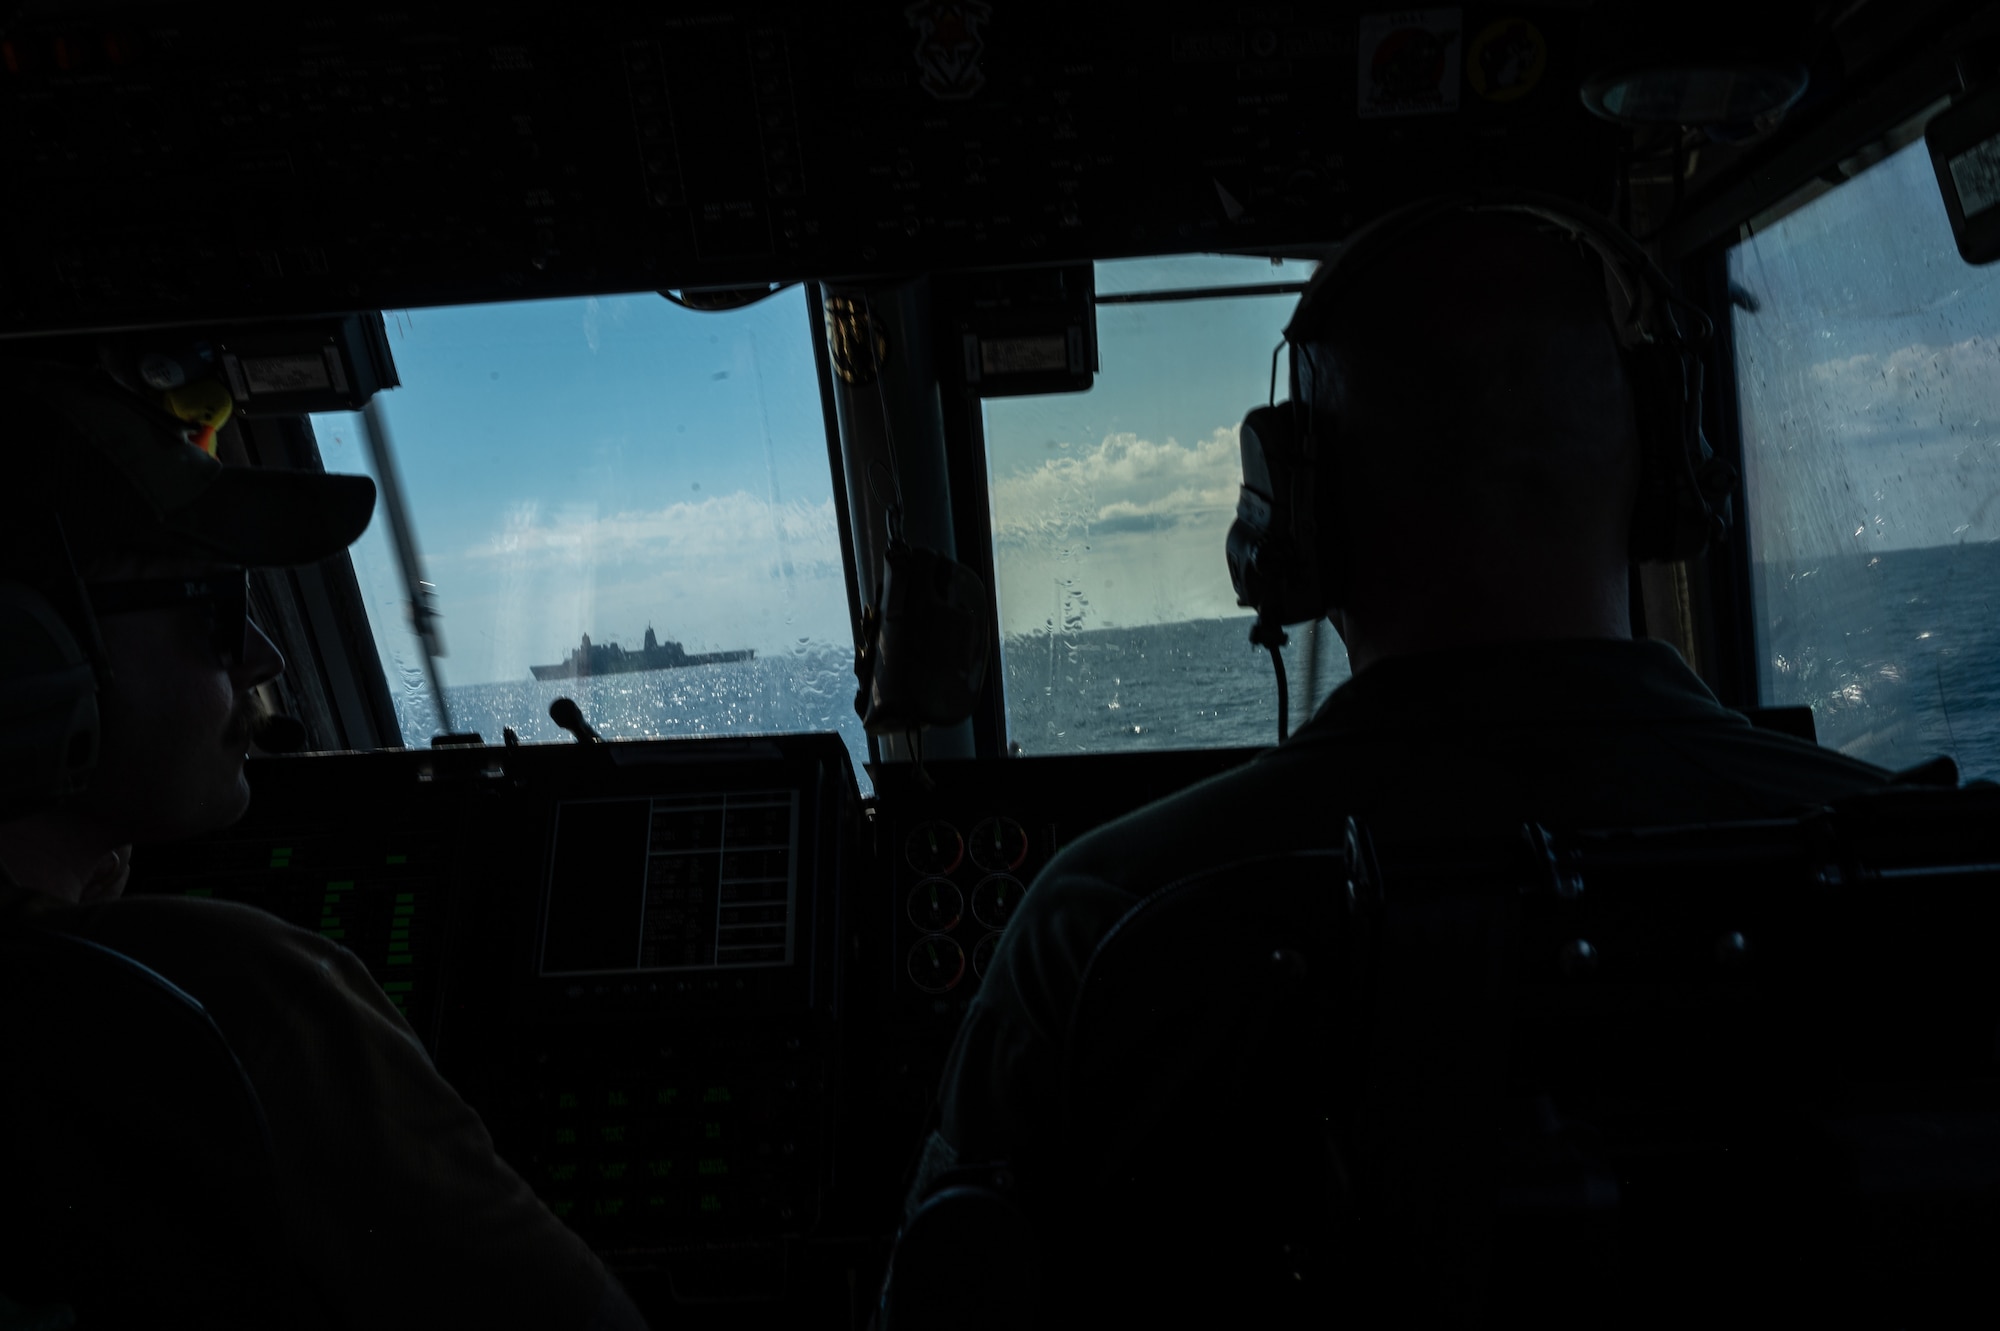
{"x": 1124, "y": 531}
{"x": 733, "y": 526}
{"x": 1915, "y": 388}
{"x": 1122, "y": 483}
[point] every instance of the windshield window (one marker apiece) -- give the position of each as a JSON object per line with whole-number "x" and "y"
{"x": 1868, "y": 359}
{"x": 1119, "y": 627}
{"x": 621, "y": 469}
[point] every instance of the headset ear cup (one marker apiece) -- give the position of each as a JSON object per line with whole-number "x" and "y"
{"x": 1257, "y": 537}
{"x": 48, "y": 704}
{"x": 1271, "y": 548}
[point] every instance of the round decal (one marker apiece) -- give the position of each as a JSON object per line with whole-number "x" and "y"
{"x": 1506, "y": 60}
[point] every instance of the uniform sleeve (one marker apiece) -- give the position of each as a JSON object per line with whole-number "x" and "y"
{"x": 393, "y": 1200}
{"x": 1001, "y": 1095}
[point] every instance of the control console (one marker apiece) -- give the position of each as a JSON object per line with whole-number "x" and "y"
{"x": 700, "y": 993}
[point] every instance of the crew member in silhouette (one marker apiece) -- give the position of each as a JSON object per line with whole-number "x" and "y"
{"x": 392, "y": 1204}
{"x": 1475, "y": 391}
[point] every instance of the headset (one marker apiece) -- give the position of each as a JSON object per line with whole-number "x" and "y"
{"x": 1291, "y": 571}
{"x": 924, "y": 651}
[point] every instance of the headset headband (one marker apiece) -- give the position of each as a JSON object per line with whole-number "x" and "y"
{"x": 1644, "y": 307}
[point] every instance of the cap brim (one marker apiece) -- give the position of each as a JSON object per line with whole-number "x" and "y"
{"x": 261, "y": 518}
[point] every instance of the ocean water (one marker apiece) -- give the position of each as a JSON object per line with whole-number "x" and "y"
{"x": 809, "y": 689}
{"x": 1189, "y": 685}
{"x": 1898, "y": 655}
{"x": 1198, "y": 684}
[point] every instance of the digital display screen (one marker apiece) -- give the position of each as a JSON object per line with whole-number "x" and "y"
{"x": 677, "y": 883}
{"x": 1024, "y": 355}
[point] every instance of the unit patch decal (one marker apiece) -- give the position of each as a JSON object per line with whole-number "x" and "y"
{"x": 1410, "y": 63}
{"x": 1506, "y": 60}
{"x": 949, "y": 46}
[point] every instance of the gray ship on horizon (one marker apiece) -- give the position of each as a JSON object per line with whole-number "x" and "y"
{"x": 611, "y": 659}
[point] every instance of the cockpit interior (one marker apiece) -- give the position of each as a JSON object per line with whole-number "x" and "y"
{"x": 806, "y": 441}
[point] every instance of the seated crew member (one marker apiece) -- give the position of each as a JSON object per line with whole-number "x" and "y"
{"x": 1473, "y": 386}
{"x": 391, "y": 1199}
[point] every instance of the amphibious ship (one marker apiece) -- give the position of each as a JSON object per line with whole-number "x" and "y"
{"x": 611, "y": 659}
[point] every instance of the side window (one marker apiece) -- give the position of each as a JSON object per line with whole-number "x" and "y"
{"x": 616, "y": 470}
{"x": 1868, "y": 359}
{"x": 1119, "y": 627}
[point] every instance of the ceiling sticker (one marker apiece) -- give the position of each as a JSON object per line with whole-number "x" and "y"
{"x": 1410, "y": 63}
{"x": 949, "y": 45}
{"x": 1506, "y": 60}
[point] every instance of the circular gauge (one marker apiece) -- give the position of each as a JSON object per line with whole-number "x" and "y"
{"x": 936, "y": 905}
{"x": 936, "y": 963}
{"x": 999, "y": 845}
{"x": 934, "y": 848}
{"x": 982, "y": 956}
{"x": 994, "y": 900}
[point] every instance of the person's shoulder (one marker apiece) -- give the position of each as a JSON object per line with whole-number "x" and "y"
{"x": 127, "y": 918}
{"x": 226, "y": 954}
{"x": 1269, "y": 802}
{"x": 1749, "y": 772}
{"x": 210, "y": 918}
{"x": 1785, "y": 765}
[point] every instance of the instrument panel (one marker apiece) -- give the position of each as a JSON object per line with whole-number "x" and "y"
{"x": 624, "y": 956}
{"x": 947, "y": 912}
{"x": 960, "y": 855}
{"x": 700, "y": 993}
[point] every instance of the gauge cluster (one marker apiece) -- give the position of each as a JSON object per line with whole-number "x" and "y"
{"x": 968, "y": 883}
{"x": 955, "y": 855}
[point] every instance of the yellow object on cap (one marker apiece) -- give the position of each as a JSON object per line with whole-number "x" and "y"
{"x": 203, "y": 403}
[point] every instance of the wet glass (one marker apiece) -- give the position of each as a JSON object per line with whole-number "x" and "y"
{"x": 1868, "y": 364}
{"x": 1119, "y": 627}
{"x": 614, "y": 467}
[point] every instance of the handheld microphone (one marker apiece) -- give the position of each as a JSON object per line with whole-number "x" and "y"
{"x": 565, "y": 713}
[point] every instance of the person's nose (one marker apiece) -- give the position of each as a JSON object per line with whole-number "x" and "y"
{"x": 261, "y": 663}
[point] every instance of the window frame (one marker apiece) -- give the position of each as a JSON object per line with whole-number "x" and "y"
{"x": 318, "y": 619}
{"x": 1723, "y": 585}
{"x": 970, "y": 476}
{"x": 1696, "y": 249}
{"x": 971, "y": 506}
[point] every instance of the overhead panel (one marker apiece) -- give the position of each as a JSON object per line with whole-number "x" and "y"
{"x": 172, "y": 165}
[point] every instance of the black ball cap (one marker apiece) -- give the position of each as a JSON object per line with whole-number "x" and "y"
{"x": 125, "y": 474}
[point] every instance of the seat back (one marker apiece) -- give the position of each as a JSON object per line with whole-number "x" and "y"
{"x": 1212, "y": 1182}
{"x": 1574, "y": 1083}
{"x": 135, "y": 1161}
{"x": 1641, "y": 1076}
